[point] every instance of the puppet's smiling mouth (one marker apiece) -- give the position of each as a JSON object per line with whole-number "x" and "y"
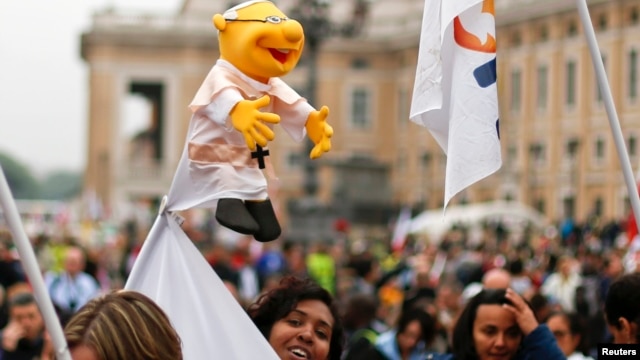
{"x": 279, "y": 54}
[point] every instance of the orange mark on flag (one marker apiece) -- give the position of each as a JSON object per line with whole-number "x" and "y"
{"x": 470, "y": 41}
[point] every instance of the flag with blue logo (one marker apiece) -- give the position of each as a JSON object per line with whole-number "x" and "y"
{"x": 455, "y": 93}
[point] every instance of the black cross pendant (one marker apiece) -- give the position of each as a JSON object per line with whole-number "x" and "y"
{"x": 260, "y": 154}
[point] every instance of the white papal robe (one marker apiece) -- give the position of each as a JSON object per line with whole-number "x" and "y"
{"x": 216, "y": 162}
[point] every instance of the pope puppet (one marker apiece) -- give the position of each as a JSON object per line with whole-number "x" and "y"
{"x": 234, "y": 113}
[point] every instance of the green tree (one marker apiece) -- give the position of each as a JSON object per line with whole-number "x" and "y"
{"x": 22, "y": 183}
{"x": 61, "y": 185}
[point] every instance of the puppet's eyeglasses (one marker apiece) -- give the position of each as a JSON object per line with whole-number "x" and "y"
{"x": 273, "y": 19}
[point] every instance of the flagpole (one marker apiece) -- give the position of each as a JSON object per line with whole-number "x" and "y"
{"x": 610, "y": 107}
{"x": 30, "y": 265}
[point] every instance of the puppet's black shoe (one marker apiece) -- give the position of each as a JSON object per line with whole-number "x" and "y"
{"x": 262, "y": 212}
{"x": 232, "y": 213}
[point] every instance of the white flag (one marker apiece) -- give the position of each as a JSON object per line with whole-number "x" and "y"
{"x": 455, "y": 92}
{"x": 210, "y": 322}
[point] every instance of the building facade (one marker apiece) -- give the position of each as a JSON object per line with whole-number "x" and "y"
{"x": 558, "y": 151}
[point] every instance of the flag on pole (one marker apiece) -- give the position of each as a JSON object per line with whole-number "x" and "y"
{"x": 210, "y": 322}
{"x": 455, "y": 92}
{"x": 401, "y": 229}
{"x": 632, "y": 225}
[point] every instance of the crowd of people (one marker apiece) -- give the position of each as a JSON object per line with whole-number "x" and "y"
{"x": 552, "y": 296}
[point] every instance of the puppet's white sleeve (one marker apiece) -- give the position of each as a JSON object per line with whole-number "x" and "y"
{"x": 220, "y": 107}
{"x": 293, "y": 119}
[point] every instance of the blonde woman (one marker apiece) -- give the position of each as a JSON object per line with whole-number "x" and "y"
{"x": 122, "y": 325}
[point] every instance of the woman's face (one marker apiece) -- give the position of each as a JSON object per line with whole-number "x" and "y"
{"x": 305, "y": 333}
{"x": 83, "y": 352}
{"x": 409, "y": 338}
{"x": 559, "y": 326}
{"x": 496, "y": 334}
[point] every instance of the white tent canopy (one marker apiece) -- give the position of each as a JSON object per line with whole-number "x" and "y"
{"x": 513, "y": 215}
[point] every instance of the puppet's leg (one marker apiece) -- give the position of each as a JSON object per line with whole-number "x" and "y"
{"x": 233, "y": 214}
{"x": 262, "y": 212}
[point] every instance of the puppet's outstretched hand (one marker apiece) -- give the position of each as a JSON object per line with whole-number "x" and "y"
{"x": 247, "y": 118}
{"x": 320, "y": 132}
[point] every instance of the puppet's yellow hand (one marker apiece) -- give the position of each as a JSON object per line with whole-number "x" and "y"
{"x": 320, "y": 132}
{"x": 247, "y": 118}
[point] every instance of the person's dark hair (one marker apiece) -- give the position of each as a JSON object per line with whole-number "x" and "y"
{"x": 360, "y": 311}
{"x": 279, "y": 302}
{"x": 362, "y": 266}
{"x": 516, "y": 267}
{"x": 427, "y": 323}
{"x": 462, "y": 341}
{"x": 288, "y": 245}
{"x": 21, "y": 299}
{"x": 553, "y": 261}
{"x": 623, "y": 300}
{"x": 538, "y": 301}
{"x": 577, "y": 326}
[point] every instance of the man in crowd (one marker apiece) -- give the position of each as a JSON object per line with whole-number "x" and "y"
{"x": 10, "y": 269}
{"x": 496, "y": 278}
{"x": 73, "y": 287}
{"x": 23, "y": 338}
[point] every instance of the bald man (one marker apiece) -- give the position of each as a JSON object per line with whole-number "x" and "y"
{"x": 72, "y": 288}
{"x": 496, "y": 279}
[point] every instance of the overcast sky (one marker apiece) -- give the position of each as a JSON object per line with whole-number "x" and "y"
{"x": 43, "y": 80}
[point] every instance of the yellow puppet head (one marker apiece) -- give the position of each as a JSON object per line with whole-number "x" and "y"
{"x": 258, "y": 39}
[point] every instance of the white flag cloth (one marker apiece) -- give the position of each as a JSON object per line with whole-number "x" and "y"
{"x": 210, "y": 322}
{"x": 455, "y": 92}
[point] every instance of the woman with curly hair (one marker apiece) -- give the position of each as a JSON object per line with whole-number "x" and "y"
{"x": 300, "y": 320}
